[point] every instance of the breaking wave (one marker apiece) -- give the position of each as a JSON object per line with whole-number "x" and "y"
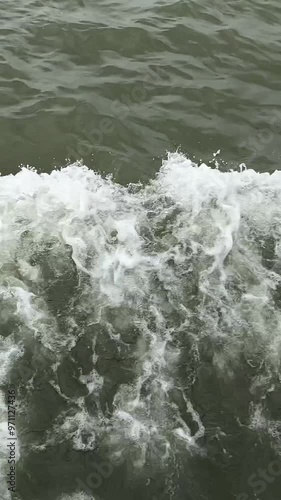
{"x": 140, "y": 321}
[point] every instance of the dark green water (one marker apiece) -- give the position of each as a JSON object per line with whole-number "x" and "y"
{"x": 200, "y": 75}
{"x": 140, "y": 319}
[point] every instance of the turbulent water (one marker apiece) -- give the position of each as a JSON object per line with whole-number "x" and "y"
{"x": 142, "y": 325}
{"x": 140, "y": 290}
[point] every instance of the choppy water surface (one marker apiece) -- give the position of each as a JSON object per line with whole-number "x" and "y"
{"x": 140, "y": 291}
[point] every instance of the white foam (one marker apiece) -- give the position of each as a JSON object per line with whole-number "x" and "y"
{"x": 77, "y": 496}
{"x": 189, "y": 245}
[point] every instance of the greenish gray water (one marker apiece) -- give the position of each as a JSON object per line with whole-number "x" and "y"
{"x": 200, "y": 75}
{"x": 140, "y": 321}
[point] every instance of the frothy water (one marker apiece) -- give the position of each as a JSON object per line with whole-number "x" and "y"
{"x": 141, "y": 322}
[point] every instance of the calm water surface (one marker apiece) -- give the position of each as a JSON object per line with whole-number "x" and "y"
{"x": 140, "y": 320}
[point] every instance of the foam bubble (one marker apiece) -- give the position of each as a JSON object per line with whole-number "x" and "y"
{"x": 77, "y": 496}
{"x": 150, "y": 280}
